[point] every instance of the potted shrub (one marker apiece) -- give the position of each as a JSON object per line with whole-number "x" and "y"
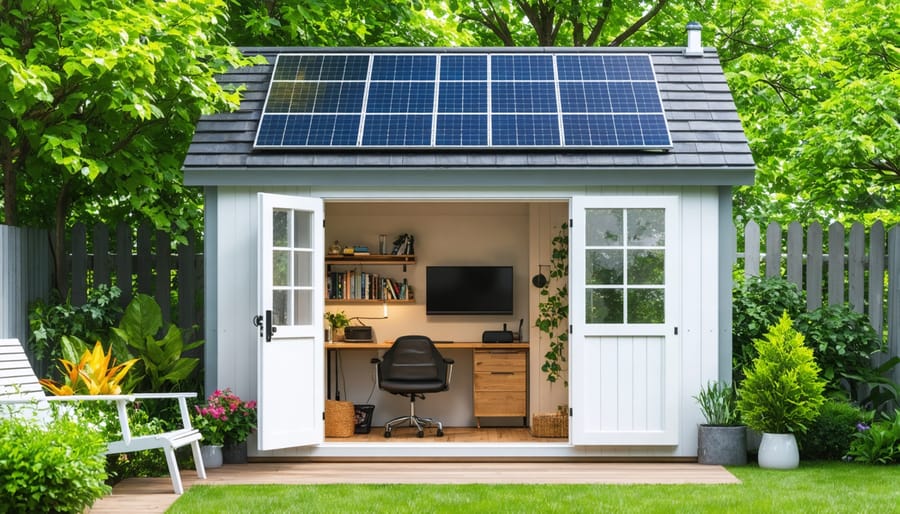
{"x": 722, "y": 439}
{"x": 781, "y": 393}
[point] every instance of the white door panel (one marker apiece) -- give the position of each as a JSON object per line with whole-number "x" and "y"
{"x": 623, "y": 308}
{"x": 291, "y": 352}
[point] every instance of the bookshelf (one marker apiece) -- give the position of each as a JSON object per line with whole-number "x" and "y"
{"x": 352, "y": 285}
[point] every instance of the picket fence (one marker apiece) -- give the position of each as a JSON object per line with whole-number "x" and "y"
{"x": 856, "y": 267}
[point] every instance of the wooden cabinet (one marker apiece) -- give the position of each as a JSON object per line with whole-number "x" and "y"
{"x": 500, "y": 383}
{"x": 350, "y": 283}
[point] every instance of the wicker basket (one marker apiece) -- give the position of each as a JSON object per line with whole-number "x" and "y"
{"x": 550, "y": 425}
{"x": 340, "y": 418}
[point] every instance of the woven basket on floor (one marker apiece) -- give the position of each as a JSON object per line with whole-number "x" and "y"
{"x": 550, "y": 425}
{"x": 340, "y": 418}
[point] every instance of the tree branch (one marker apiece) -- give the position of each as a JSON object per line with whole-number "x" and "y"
{"x": 602, "y": 16}
{"x": 638, "y": 24}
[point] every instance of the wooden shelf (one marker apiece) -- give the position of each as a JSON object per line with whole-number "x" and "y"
{"x": 370, "y": 259}
{"x": 360, "y": 301}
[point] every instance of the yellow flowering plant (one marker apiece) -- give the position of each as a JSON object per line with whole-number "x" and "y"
{"x": 95, "y": 373}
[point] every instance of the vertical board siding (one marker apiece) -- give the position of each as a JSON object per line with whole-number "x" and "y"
{"x": 855, "y": 271}
{"x": 25, "y": 276}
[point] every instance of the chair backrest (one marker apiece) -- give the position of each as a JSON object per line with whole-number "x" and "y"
{"x": 413, "y": 359}
{"x": 18, "y": 383}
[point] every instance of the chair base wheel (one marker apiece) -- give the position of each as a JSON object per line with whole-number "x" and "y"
{"x": 440, "y": 433}
{"x": 420, "y": 434}
{"x": 387, "y": 434}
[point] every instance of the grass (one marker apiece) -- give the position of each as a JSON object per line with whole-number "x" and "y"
{"x": 815, "y": 487}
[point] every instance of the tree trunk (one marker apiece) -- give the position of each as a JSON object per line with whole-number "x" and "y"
{"x": 58, "y": 240}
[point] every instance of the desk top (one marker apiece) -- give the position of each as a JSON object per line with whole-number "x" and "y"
{"x": 456, "y": 344}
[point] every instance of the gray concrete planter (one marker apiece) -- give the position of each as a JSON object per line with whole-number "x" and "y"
{"x": 723, "y": 445}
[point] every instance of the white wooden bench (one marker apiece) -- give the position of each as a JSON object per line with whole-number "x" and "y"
{"x": 19, "y": 388}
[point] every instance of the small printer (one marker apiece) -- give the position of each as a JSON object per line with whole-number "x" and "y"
{"x": 358, "y": 334}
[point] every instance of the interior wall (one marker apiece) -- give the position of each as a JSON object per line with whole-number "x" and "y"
{"x": 446, "y": 233}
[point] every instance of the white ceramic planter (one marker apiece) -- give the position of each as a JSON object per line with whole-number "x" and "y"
{"x": 212, "y": 456}
{"x": 778, "y": 451}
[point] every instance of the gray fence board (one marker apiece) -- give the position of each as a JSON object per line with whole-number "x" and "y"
{"x": 853, "y": 275}
{"x": 25, "y": 273}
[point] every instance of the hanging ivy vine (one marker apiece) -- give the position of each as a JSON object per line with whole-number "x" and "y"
{"x": 553, "y": 309}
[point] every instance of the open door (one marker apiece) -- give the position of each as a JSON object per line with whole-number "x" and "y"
{"x": 291, "y": 369}
{"x": 624, "y": 311}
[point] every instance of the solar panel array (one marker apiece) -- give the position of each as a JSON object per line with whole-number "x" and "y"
{"x": 463, "y": 101}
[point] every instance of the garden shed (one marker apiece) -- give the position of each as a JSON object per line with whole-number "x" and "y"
{"x": 473, "y": 157}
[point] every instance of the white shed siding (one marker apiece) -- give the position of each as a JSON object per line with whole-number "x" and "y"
{"x": 233, "y": 338}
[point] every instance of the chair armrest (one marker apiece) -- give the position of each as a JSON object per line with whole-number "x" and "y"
{"x": 91, "y": 397}
{"x": 448, "y": 361}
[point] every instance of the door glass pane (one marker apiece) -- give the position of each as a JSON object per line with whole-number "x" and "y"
{"x": 303, "y": 269}
{"x": 604, "y": 227}
{"x": 280, "y": 234}
{"x": 604, "y": 306}
{"x": 303, "y": 229}
{"x": 280, "y": 307}
{"x": 605, "y": 267}
{"x": 646, "y": 227}
{"x": 646, "y": 267}
{"x": 646, "y": 306}
{"x": 281, "y": 268}
{"x": 303, "y": 307}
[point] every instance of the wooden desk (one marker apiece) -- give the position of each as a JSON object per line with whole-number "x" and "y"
{"x": 462, "y": 345}
{"x": 500, "y": 375}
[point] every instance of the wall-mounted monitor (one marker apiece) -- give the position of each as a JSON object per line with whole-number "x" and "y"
{"x": 469, "y": 290}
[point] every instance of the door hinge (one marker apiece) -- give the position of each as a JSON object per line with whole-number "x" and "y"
{"x": 570, "y": 328}
{"x": 676, "y": 331}
{"x": 323, "y": 222}
{"x": 571, "y": 412}
{"x": 571, "y": 223}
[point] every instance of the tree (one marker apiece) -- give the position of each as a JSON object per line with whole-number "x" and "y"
{"x": 822, "y": 116}
{"x": 552, "y": 23}
{"x": 98, "y": 102}
{"x": 337, "y": 23}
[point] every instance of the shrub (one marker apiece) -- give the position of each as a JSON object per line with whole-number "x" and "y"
{"x": 758, "y": 302}
{"x": 55, "y": 468}
{"x": 49, "y": 321}
{"x": 782, "y": 391}
{"x": 843, "y": 342}
{"x": 878, "y": 443}
{"x": 830, "y": 435}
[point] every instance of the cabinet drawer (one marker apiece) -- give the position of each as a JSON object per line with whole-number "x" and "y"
{"x": 499, "y": 403}
{"x": 499, "y": 381}
{"x": 499, "y": 360}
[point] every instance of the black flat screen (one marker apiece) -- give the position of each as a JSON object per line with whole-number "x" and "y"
{"x": 469, "y": 290}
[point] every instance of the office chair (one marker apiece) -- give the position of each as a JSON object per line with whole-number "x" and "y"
{"x": 413, "y": 367}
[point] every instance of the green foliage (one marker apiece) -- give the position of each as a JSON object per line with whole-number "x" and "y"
{"x": 339, "y": 23}
{"x": 843, "y": 342}
{"x": 830, "y": 435}
{"x": 98, "y": 102}
{"x": 50, "y": 321}
{"x": 162, "y": 363}
{"x": 782, "y": 391}
{"x": 553, "y": 309}
{"x": 878, "y": 443}
{"x": 55, "y": 468}
{"x": 882, "y": 391}
{"x": 758, "y": 303}
{"x": 819, "y": 110}
{"x": 717, "y": 402}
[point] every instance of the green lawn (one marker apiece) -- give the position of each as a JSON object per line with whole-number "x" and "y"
{"x": 815, "y": 487}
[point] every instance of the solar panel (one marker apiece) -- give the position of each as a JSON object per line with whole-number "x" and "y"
{"x": 457, "y": 100}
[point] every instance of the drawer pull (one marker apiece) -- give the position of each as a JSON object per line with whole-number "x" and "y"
{"x": 503, "y": 372}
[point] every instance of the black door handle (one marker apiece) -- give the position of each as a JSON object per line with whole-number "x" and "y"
{"x": 270, "y": 329}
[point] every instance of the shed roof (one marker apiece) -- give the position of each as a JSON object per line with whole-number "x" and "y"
{"x": 709, "y": 144}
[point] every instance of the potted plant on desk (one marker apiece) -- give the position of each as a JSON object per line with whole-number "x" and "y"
{"x": 336, "y": 321}
{"x": 722, "y": 439}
